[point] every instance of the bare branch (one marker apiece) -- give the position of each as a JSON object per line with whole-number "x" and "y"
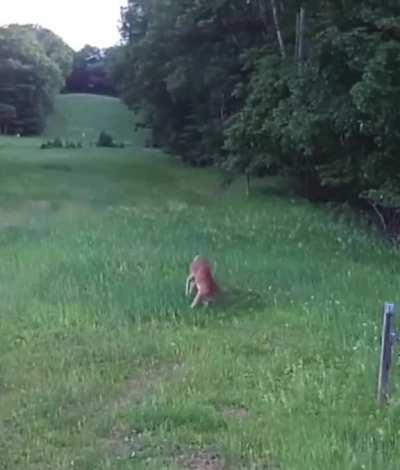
{"x": 302, "y": 17}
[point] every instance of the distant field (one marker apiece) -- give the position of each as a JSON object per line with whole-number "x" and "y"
{"x": 76, "y": 114}
{"x": 104, "y": 366}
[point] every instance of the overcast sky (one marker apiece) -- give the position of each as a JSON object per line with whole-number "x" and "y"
{"x": 78, "y": 22}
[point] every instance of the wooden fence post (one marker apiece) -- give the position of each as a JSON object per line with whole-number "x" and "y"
{"x": 387, "y": 344}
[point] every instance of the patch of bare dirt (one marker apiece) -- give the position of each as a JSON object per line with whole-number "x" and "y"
{"x": 22, "y": 213}
{"x": 126, "y": 442}
{"x": 207, "y": 459}
{"x": 235, "y": 413}
{"x": 138, "y": 388}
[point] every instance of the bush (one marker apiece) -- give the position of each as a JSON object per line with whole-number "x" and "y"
{"x": 333, "y": 124}
{"x": 52, "y": 144}
{"x": 57, "y": 143}
{"x": 107, "y": 140}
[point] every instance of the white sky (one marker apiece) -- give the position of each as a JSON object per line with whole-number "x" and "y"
{"x": 78, "y": 22}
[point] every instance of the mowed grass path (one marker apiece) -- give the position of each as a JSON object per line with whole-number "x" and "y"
{"x": 104, "y": 366}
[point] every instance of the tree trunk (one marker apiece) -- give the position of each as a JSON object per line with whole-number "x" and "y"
{"x": 300, "y": 32}
{"x": 247, "y": 184}
{"x": 278, "y": 29}
{"x": 296, "y": 45}
{"x": 302, "y": 18}
{"x": 222, "y": 109}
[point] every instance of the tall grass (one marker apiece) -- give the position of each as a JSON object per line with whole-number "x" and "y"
{"x": 105, "y": 366}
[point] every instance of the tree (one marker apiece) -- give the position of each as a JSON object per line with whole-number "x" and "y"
{"x": 33, "y": 64}
{"x": 8, "y": 116}
{"x": 91, "y": 72}
{"x": 55, "y": 49}
{"x": 181, "y": 64}
{"x": 307, "y": 88}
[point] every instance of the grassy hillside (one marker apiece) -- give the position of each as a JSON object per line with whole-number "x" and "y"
{"x": 103, "y": 364}
{"x": 76, "y": 114}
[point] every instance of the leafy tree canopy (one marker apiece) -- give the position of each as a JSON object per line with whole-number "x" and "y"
{"x": 34, "y": 63}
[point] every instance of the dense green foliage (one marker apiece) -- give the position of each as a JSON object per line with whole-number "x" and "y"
{"x": 182, "y": 63}
{"x": 34, "y": 64}
{"x": 91, "y": 72}
{"x": 107, "y": 140}
{"x": 232, "y": 83}
{"x": 104, "y": 365}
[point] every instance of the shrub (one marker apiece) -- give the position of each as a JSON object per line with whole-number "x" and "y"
{"x": 105, "y": 140}
{"x": 52, "y": 144}
{"x": 58, "y": 144}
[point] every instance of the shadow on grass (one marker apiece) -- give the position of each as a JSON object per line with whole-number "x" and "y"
{"x": 233, "y": 303}
{"x": 56, "y": 167}
{"x": 240, "y": 300}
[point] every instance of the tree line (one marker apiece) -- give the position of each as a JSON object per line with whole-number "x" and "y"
{"x": 91, "y": 71}
{"x": 34, "y": 63}
{"x": 309, "y": 89}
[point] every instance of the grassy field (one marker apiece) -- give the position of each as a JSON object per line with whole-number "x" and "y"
{"x": 103, "y": 364}
{"x": 88, "y": 115}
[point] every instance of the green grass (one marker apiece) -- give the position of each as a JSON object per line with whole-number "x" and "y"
{"x": 104, "y": 366}
{"x": 82, "y": 117}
